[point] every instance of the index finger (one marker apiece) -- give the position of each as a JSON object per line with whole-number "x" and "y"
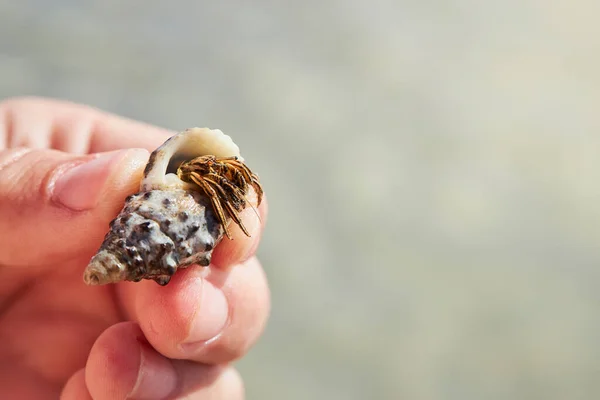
{"x": 35, "y": 122}
{"x": 73, "y": 128}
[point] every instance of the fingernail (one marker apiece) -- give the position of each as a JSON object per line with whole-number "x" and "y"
{"x": 210, "y": 318}
{"x": 156, "y": 376}
{"x": 79, "y": 187}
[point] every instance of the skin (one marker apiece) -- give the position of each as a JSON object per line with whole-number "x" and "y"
{"x": 62, "y": 339}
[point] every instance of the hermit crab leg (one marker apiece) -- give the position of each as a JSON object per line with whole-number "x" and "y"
{"x": 239, "y": 179}
{"x": 239, "y": 200}
{"x": 233, "y": 213}
{"x": 237, "y": 197}
{"x": 232, "y": 158}
{"x": 258, "y": 188}
{"x": 236, "y": 218}
{"x": 214, "y": 198}
{"x": 228, "y": 198}
{"x": 228, "y": 206}
{"x": 248, "y": 175}
{"x": 239, "y": 165}
{"x": 203, "y": 163}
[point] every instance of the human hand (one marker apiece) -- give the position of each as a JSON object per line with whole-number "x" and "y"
{"x": 59, "y": 337}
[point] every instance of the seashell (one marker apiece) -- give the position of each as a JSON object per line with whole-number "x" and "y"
{"x": 169, "y": 224}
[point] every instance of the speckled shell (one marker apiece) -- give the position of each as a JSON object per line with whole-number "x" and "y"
{"x": 167, "y": 225}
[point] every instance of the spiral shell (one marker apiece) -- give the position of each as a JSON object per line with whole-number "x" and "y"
{"x": 167, "y": 225}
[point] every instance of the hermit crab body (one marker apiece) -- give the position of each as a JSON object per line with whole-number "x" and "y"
{"x": 226, "y": 181}
{"x": 193, "y": 186}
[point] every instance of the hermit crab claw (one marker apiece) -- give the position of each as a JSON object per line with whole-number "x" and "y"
{"x": 170, "y": 223}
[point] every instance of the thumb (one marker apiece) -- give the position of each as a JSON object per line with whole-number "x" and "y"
{"x": 55, "y": 205}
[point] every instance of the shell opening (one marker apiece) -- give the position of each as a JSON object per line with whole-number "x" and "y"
{"x": 191, "y": 143}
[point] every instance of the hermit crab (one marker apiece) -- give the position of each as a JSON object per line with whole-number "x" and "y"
{"x": 193, "y": 187}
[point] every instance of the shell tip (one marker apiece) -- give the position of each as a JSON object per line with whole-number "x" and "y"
{"x": 91, "y": 278}
{"x": 104, "y": 268}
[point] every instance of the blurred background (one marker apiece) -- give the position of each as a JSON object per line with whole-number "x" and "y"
{"x": 432, "y": 169}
